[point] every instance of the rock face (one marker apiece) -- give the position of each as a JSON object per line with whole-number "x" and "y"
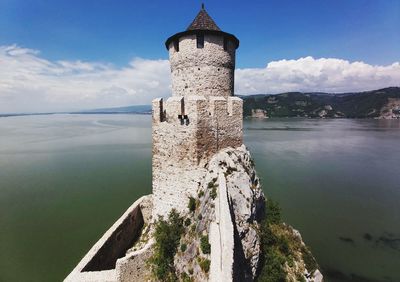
{"x": 246, "y": 202}
{"x": 391, "y": 110}
{"x": 230, "y": 207}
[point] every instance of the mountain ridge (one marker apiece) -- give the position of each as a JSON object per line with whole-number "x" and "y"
{"x": 381, "y": 103}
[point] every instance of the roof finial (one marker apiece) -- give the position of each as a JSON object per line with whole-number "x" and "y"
{"x": 202, "y": 6}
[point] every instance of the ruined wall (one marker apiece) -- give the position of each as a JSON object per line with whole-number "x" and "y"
{"x": 107, "y": 260}
{"x": 222, "y": 236}
{"x": 186, "y": 133}
{"x": 207, "y": 71}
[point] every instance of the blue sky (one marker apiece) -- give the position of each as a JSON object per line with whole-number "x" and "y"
{"x": 66, "y": 55}
{"x": 115, "y": 31}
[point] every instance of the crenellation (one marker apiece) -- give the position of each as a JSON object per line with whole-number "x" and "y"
{"x": 194, "y": 129}
{"x": 235, "y": 106}
{"x": 157, "y": 110}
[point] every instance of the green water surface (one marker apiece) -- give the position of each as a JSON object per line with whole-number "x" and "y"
{"x": 64, "y": 179}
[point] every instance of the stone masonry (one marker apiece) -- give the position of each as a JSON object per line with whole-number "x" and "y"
{"x": 202, "y": 116}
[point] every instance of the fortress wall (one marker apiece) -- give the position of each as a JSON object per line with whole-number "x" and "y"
{"x": 187, "y": 131}
{"x": 175, "y": 159}
{"x": 208, "y": 70}
{"x": 222, "y": 236}
{"x": 99, "y": 264}
{"x": 232, "y": 124}
{"x": 133, "y": 267}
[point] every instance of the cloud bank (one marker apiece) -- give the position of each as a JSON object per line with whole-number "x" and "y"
{"x": 30, "y": 83}
{"x": 316, "y": 75}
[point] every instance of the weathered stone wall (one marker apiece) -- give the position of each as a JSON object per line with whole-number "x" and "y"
{"x": 207, "y": 71}
{"x": 107, "y": 261}
{"x": 187, "y": 131}
{"x": 116, "y": 245}
{"x": 133, "y": 267}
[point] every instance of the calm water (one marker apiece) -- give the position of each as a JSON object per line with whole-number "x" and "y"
{"x": 64, "y": 179}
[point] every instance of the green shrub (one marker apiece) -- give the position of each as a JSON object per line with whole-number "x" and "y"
{"x": 205, "y": 265}
{"x": 199, "y": 217}
{"x": 201, "y": 193}
{"x": 167, "y": 235}
{"x": 183, "y": 247}
{"x": 192, "y": 204}
{"x": 204, "y": 245}
{"x": 280, "y": 246}
{"x": 229, "y": 170}
{"x": 273, "y": 268}
{"x": 300, "y": 278}
{"x": 213, "y": 193}
{"x": 187, "y": 221}
{"x": 273, "y": 212}
{"x": 185, "y": 277}
{"x": 309, "y": 260}
{"x": 272, "y": 261}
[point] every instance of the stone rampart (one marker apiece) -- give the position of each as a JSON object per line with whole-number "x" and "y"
{"x": 106, "y": 261}
{"x": 187, "y": 131}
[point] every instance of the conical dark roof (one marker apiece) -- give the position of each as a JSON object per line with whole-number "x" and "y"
{"x": 203, "y": 21}
{"x": 202, "y": 24}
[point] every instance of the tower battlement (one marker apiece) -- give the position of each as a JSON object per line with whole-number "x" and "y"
{"x": 184, "y": 110}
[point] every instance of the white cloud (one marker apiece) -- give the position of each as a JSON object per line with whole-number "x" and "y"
{"x": 29, "y": 83}
{"x": 316, "y": 75}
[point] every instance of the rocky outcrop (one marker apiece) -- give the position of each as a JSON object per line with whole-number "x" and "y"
{"x": 259, "y": 113}
{"x": 222, "y": 232}
{"x": 391, "y": 110}
{"x": 230, "y": 207}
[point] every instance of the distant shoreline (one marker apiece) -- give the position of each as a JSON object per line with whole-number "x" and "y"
{"x": 74, "y": 113}
{"x": 377, "y": 104}
{"x": 147, "y": 113}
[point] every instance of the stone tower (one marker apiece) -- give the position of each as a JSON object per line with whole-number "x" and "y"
{"x": 200, "y": 118}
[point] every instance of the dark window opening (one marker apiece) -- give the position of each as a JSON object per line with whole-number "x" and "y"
{"x": 176, "y": 45}
{"x": 200, "y": 40}
{"x": 225, "y": 44}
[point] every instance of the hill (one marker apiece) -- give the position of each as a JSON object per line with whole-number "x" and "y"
{"x": 382, "y": 103}
{"x": 137, "y": 109}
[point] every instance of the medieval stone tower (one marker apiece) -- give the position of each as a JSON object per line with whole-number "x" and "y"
{"x": 200, "y": 118}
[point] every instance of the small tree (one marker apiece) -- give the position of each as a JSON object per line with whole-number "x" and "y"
{"x": 192, "y": 204}
{"x": 167, "y": 235}
{"x": 204, "y": 245}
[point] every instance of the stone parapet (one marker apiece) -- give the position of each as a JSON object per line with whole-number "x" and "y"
{"x": 107, "y": 261}
{"x": 187, "y": 131}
